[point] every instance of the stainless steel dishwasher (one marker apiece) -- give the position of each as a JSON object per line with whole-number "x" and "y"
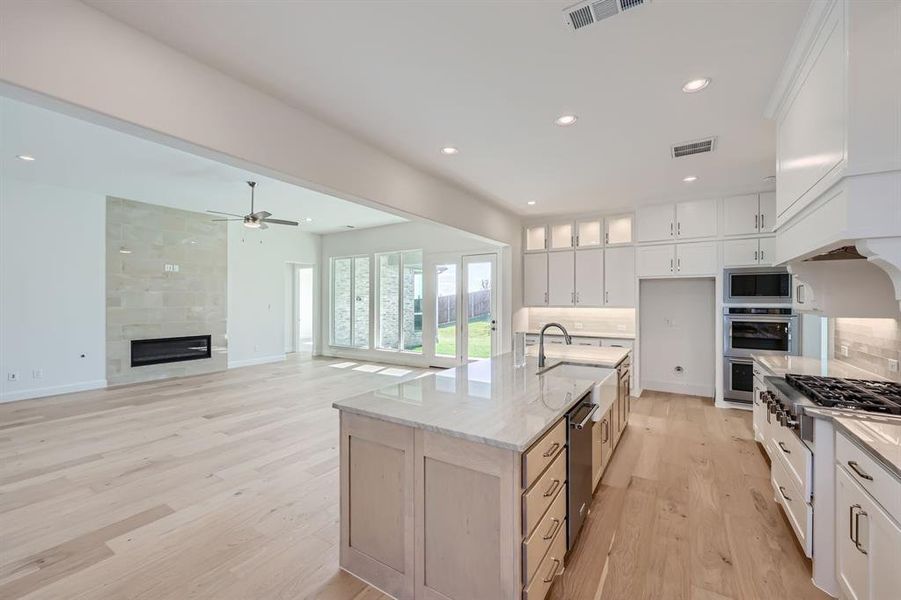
{"x": 578, "y": 466}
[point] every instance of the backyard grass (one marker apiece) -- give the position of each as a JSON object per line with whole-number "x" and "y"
{"x": 479, "y": 339}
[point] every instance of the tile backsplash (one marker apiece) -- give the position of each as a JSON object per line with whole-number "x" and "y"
{"x": 871, "y": 344}
{"x": 591, "y": 320}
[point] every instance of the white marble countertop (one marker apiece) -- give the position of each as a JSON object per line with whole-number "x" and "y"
{"x": 880, "y": 437}
{"x": 488, "y": 401}
{"x": 779, "y": 365}
{"x": 600, "y": 356}
{"x": 582, "y": 333}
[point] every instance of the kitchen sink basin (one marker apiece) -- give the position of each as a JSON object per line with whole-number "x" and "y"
{"x": 578, "y": 371}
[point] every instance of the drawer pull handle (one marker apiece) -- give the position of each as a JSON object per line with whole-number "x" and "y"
{"x": 552, "y": 531}
{"x": 553, "y": 573}
{"x": 860, "y": 513}
{"x": 851, "y": 510}
{"x": 552, "y": 450}
{"x": 554, "y": 486}
{"x": 784, "y": 449}
{"x": 860, "y": 472}
{"x": 782, "y": 491}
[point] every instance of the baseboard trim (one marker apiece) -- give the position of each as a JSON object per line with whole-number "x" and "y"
{"x": 690, "y": 389}
{"x": 235, "y": 364}
{"x": 55, "y": 390}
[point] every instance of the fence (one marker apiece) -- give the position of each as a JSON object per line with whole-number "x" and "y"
{"x": 479, "y": 306}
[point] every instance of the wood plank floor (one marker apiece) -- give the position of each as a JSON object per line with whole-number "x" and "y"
{"x": 225, "y": 486}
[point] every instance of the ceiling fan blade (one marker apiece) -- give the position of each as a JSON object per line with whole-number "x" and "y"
{"x": 262, "y": 225}
{"x": 216, "y": 212}
{"x": 226, "y": 220}
{"x": 261, "y": 215}
{"x": 280, "y": 222}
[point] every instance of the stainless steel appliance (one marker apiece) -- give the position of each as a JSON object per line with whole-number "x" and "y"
{"x": 578, "y": 467}
{"x": 763, "y": 285}
{"x": 754, "y": 330}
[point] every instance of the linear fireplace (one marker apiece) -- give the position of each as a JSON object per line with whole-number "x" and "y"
{"x": 167, "y": 350}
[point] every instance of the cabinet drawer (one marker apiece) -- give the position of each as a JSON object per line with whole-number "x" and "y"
{"x": 535, "y": 546}
{"x": 536, "y": 499}
{"x": 542, "y": 452}
{"x": 797, "y": 459}
{"x": 871, "y": 476}
{"x": 799, "y": 513}
{"x": 550, "y": 567}
{"x": 586, "y": 341}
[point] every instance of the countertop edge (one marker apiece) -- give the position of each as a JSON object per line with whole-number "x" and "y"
{"x": 863, "y": 445}
{"x": 579, "y": 333}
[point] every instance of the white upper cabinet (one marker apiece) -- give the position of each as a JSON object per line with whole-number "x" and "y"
{"x": 696, "y": 219}
{"x": 767, "y": 212}
{"x": 655, "y": 223}
{"x": 536, "y": 238}
{"x": 741, "y": 215}
{"x": 741, "y": 253}
{"x": 561, "y": 278}
{"x": 590, "y": 277}
{"x": 562, "y": 236}
{"x": 619, "y": 277}
{"x": 697, "y": 258}
{"x": 618, "y": 230}
{"x": 767, "y": 254}
{"x": 655, "y": 261}
{"x": 588, "y": 233}
{"x": 534, "y": 289}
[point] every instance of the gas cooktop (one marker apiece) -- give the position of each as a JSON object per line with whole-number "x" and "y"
{"x": 882, "y": 397}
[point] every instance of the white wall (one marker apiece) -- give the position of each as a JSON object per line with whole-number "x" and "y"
{"x": 678, "y": 328}
{"x": 52, "y": 289}
{"x": 433, "y": 240}
{"x": 256, "y": 289}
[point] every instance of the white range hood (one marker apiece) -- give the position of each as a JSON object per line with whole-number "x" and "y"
{"x": 838, "y": 112}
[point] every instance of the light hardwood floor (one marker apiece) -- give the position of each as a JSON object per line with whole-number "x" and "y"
{"x": 225, "y": 486}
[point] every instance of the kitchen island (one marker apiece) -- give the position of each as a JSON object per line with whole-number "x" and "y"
{"x": 454, "y": 485}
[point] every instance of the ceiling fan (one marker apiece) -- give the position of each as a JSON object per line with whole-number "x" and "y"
{"x": 254, "y": 220}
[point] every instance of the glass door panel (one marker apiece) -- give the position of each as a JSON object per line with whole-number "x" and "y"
{"x": 561, "y": 236}
{"x": 588, "y": 234}
{"x": 446, "y": 295}
{"x": 480, "y": 306}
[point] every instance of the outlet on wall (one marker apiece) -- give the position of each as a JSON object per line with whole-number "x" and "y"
{"x": 12, "y": 376}
{"x": 844, "y": 350}
{"x": 37, "y": 374}
{"x": 577, "y": 324}
{"x": 892, "y": 365}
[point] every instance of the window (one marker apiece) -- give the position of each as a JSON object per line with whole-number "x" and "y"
{"x": 350, "y": 301}
{"x": 400, "y": 301}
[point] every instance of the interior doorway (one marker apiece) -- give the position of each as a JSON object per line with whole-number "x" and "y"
{"x": 299, "y": 294}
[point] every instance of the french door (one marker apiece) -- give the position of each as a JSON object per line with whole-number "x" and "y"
{"x": 479, "y": 325}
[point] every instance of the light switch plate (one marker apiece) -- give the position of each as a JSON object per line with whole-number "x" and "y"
{"x": 893, "y": 365}
{"x": 844, "y": 350}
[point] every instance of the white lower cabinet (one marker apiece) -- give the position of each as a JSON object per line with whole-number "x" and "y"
{"x": 655, "y": 261}
{"x": 561, "y": 278}
{"x": 589, "y": 279}
{"x": 868, "y": 543}
{"x": 619, "y": 277}
{"x": 698, "y": 258}
{"x": 534, "y": 289}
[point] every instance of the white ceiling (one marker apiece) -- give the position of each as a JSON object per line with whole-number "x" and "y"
{"x": 77, "y": 154}
{"x": 490, "y": 78}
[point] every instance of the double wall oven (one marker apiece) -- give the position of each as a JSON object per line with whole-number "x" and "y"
{"x": 751, "y": 330}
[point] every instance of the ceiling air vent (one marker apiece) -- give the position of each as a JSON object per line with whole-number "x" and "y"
{"x": 694, "y": 147}
{"x": 579, "y": 15}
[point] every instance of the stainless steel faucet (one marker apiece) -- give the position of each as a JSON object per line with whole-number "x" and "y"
{"x": 567, "y": 338}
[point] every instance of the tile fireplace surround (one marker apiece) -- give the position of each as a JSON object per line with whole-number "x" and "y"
{"x": 147, "y": 298}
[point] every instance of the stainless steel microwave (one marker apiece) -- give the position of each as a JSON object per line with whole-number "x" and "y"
{"x": 769, "y": 285}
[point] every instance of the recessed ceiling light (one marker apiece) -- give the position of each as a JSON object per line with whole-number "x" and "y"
{"x": 124, "y": 250}
{"x": 350, "y": 226}
{"x": 25, "y": 157}
{"x": 690, "y": 178}
{"x": 309, "y": 219}
{"x": 695, "y": 85}
{"x": 449, "y": 150}
{"x": 565, "y": 120}
{"x": 531, "y": 203}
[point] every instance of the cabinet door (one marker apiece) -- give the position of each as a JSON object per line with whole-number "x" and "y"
{"x": 619, "y": 277}
{"x": 588, "y": 233}
{"x": 740, "y": 253}
{"x": 561, "y": 278}
{"x": 618, "y": 230}
{"x": 696, "y": 219}
{"x": 536, "y": 238}
{"x": 590, "y": 277}
{"x": 655, "y": 261}
{"x": 884, "y": 546}
{"x": 767, "y": 212}
{"x": 851, "y": 563}
{"x": 698, "y": 258}
{"x": 767, "y": 251}
{"x": 534, "y": 289}
{"x": 562, "y": 236}
{"x": 741, "y": 215}
{"x": 654, "y": 223}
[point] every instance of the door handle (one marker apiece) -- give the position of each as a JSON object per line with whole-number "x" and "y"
{"x": 782, "y": 491}
{"x": 851, "y": 510}
{"x": 670, "y": 265}
{"x": 762, "y": 226}
{"x": 606, "y": 297}
{"x": 755, "y": 256}
{"x": 679, "y": 228}
{"x": 493, "y": 324}
{"x": 784, "y": 449}
{"x": 860, "y": 513}
{"x": 755, "y": 222}
{"x": 678, "y": 264}
{"x": 860, "y": 472}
